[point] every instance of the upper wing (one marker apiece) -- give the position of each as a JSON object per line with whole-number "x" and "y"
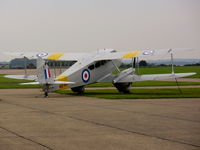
{"x": 51, "y": 55}
{"x": 106, "y": 54}
{"x": 137, "y": 53}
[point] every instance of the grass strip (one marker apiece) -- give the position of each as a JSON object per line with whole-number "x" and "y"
{"x": 17, "y": 86}
{"x": 140, "y": 93}
{"x": 147, "y": 83}
{"x": 10, "y": 80}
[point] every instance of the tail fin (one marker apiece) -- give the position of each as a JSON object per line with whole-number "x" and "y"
{"x": 44, "y": 73}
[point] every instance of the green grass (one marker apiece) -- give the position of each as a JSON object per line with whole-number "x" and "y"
{"x": 8, "y": 83}
{"x": 140, "y": 93}
{"x": 17, "y": 86}
{"x": 9, "y": 80}
{"x": 147, "y": 83}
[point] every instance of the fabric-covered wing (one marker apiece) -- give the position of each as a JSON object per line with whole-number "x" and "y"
{"x": 54, "y": 83}
{"x": 136, "y": 78}
{"x": 137, "y": 53}
{"x": 24, "y": 77}
{"x": 50, "y": 56}
{"x": 107, "y": 54}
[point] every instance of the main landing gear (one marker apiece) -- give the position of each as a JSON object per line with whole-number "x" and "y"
{"x": 123, "y": 87}
{"x": 79, "y": 89}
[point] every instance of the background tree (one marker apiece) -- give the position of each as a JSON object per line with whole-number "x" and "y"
{"x": 143, "y": 63}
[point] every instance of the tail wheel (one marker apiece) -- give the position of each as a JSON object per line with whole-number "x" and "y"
{"x": 79, "y": 89}
{"x": 46, "y": 94}
{"x": 123, "y": 87}
{"x": 45, "y": 88}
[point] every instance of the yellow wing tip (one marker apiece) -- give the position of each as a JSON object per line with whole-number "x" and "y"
{"x": 131, "y": 54}
{"x": 62, "y": 78}
{"x": 55, "y": 56}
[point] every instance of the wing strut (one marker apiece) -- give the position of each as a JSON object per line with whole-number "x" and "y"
{"x": 134, "y": 62}
{"x": 172, "y": 63}
{"x": 138, "y": 65}
{"x": 54, "y": 68}
{"x": 115, "y": 66}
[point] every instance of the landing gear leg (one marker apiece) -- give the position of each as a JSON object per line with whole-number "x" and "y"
{"x": 46, "y": 90}
{"x": 46, "y": 94}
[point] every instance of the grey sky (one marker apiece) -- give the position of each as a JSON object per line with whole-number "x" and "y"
{"x": 87, "y": 25}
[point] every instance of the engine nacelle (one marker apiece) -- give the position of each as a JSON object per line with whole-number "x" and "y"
{"x": 123, "y": 87}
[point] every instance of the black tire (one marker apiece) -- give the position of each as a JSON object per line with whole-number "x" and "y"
{"x": 46, "y": 94}
{"x": 123, "y": 87}
{"x": 79, "y": 89}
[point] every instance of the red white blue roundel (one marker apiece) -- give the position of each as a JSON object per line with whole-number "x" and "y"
{"x": 42, "y": 54}
{"x": 148, "y": 52}
{"x": 85, "y": 75}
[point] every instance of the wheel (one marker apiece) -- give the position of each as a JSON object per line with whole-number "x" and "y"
{"x": 46, "y": 94}
{"x": 79, "y": 89}
{"x": 123, "y": 87}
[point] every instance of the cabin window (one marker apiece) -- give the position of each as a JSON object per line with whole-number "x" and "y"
{"x": 97, "y": 64}
{"x": 91, "y": 67}
{"x": 103, "y": 62}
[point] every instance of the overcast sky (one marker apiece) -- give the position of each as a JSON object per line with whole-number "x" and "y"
{"x": 88, "y": 25}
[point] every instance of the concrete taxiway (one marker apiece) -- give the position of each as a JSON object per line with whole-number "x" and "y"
{"x": 30, "y": 122}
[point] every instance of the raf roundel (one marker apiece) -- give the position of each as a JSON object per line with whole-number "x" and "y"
{"x": 148, "y": 52}
{"x": 85, "y": 75}
{"x": 42, "y": 54}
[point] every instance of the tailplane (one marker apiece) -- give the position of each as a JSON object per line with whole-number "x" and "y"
{"x": 46, "y": 79}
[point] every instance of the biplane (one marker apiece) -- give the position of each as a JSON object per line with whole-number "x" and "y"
{"x": 94, "y": 67}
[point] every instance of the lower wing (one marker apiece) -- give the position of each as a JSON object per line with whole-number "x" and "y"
{"x": 54, "y": 83}
{"x": 136, "y": 78}
{"x": 24, "y": 77}
{"x": 129, "y": 76}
